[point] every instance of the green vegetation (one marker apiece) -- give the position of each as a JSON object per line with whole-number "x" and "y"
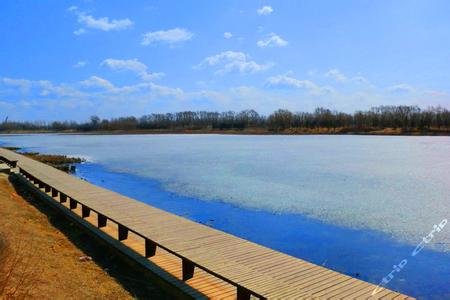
{"x": 378, "y": 120}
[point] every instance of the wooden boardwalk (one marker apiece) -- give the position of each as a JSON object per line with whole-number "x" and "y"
{"x": 205, "y": 262}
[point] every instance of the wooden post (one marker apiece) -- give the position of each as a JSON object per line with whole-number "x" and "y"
{"x": 85, "y": 211}
{"x": 72, "y": 203}
{"x": 47, "y": 188}
{"x": 54, "y": 193}
{"x": 243, "y": 293}
{"x": 123, "y": 232}
{"x": 62, "y": 197}
{"x": 101, "y": 220}
{"x": 40, "y": 184}
{"x": 188, "y": 269}
{"x": 150, "y": 248}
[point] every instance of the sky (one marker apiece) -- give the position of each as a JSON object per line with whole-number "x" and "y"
{"x": 68, "y": 60}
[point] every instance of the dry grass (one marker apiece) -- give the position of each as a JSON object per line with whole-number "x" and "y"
{"x": 18, "y": 268}
{"x": 39, "y": 256}
{"x": 62, "y": 162}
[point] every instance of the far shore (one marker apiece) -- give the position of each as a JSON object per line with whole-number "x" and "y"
{"x": 250, "y": 131}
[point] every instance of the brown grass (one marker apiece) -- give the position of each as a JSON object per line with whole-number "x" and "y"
{"x": 40, "y": 251}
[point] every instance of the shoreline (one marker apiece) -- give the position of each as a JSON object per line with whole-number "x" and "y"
{"x": 255, "y": 131}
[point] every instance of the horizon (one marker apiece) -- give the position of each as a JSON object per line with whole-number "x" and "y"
{"x": 115, "y": 60}
{"x": 378, "y": 110}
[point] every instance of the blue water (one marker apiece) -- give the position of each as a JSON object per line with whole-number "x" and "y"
{"x": 368, "y": 255}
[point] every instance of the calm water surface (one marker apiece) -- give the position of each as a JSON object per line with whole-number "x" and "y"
{"x": 356, "y": 204}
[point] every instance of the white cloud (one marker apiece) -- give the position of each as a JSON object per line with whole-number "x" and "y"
{"x": 400, "y": 88}
{"x": 336, "y": 75}
{"x": 60, "y": 90}
{"x": 103, "y": 24}
{"x": 265, "y": 10}
{"x": 291, "y": 82}
{"x": 24, "y": 84}
{"x": 133, "y": 65}
{"x": 272, "y": 40}
{"x": 227, "y": 35}
{"x": 233, "y": 61}
{"x": 72, "y": 8}
{"x": 95, "y": 81}
{"x": 171, "y": 36}
{"x": 79, "y": 31}
{"x": 80, "y": 64}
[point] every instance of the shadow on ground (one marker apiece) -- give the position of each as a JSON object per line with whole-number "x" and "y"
{"x": 128, "y": 276}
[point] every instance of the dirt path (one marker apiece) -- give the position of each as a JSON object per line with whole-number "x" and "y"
{"x": 45, "y": 249}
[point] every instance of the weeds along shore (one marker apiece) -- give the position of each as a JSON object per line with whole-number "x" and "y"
{"x": 62, "y": 162}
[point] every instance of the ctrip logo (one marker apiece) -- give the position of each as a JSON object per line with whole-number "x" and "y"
{"x": 397, "y": 268}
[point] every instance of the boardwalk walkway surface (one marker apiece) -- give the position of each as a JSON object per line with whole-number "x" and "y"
{"x": 206, "y": 263}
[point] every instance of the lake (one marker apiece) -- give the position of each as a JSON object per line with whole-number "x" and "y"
{"x": 356, "y": 204}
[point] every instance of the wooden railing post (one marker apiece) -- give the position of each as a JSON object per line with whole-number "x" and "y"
{"x": 101, "y": 220}
{"x": 123, "y": 232}
{"x": 85, "y": 211}
{"x": 62, "y": 197}
{"x": 47, "y": 188}
{"x": 243, "y": 293}
{"x": 54, "y": 193}
{"x": 72, "y": 204}
{"x": 150, "y": 248}
{"x": 40, "y": 184}
{"x": 188, "y": 269}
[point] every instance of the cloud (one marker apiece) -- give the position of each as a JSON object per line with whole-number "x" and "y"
{"x": 95, "y": 81}
{"x": 133, "y": 65}
{"x": 400, "y": 88}
{"x": 272, "y": 40}
{"x": 265, "y": 10}
{"x": 80, "y": 64}
{"x": 171, "y": 36}
{"x": 227, "y": 35}
{"x": 79, "y": 31}
{"x": 72, "y": 8}
{"x": 233, "y": 61}
{"x": 60, "y": 90}
{"x": 23, "y": 84}
{"x": 336, "y": 75}
{"x": 286, "y": 81}
{"x": 103, "y": 24}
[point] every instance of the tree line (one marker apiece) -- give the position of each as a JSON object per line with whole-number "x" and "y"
{"x": 381, "y": 117}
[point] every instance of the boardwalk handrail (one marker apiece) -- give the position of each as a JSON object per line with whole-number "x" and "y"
{"x": 251, "y": 268}
{"x": 11, "y": 163}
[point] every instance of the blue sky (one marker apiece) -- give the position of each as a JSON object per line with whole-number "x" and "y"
{"x": 73, "y": 59}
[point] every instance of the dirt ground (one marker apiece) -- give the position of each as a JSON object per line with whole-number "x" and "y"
{"x": 40, "y": 253}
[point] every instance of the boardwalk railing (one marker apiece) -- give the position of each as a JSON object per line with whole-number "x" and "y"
{"x": 253, "y": 269}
